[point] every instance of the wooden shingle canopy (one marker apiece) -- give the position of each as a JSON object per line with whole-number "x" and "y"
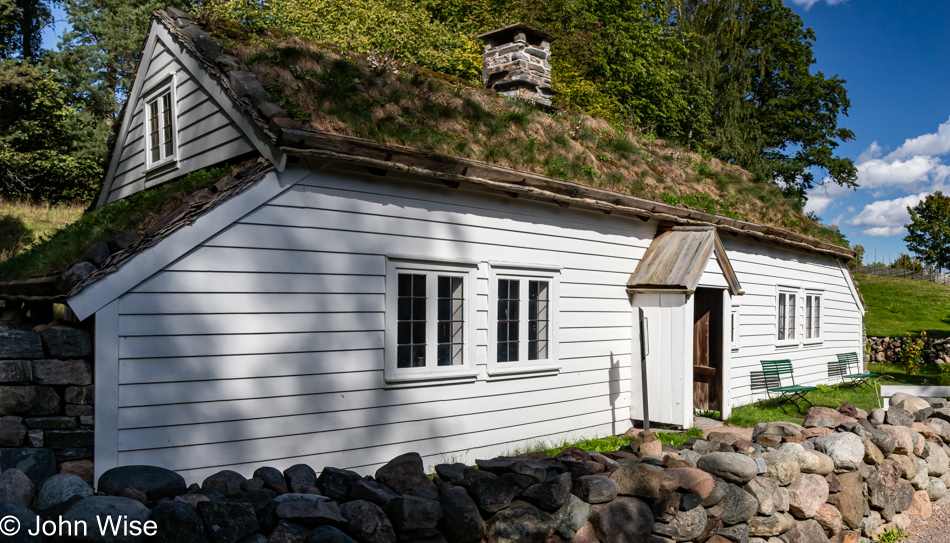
{"x": 676, "y": 260}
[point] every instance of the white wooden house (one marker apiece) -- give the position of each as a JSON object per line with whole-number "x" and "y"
{"x": 356, "y": 302}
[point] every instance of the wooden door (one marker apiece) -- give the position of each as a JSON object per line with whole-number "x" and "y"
{"x": 707, "y": 349}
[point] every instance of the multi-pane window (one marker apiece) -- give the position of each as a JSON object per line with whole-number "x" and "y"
{"x": 428, "y": 313}
{"x": 522, "y": 324}
{"x": 812, "y": 316}
{"x": 411, "y": 321}
{"x": 509, "y": 305}
{"x": 787, "y": 315}
{"x": 161, "y": 128}
{"x": 538, "y": 319}
{"x": 451, "y": 321}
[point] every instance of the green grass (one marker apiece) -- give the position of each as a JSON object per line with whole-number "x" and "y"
{"x": 67, "y": 245}
{"x": 24, "y": 224}
{"x": 864, "y": 397}
{"x": 603, "y": 444}
{"x": 678, "y": 438}
{"x": 899, "y": 306}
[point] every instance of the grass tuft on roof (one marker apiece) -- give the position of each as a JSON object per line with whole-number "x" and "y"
{"x": 381, "y": 99}
{"x": 61, "y": 249}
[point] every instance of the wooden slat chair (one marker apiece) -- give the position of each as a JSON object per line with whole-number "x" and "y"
{"x": 773, "y": 370}
{"x": 842, "y": 368}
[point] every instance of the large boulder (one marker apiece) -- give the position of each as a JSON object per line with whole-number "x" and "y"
{"x": 806, "y": 531}
{"x": 337, "y": 483}
{"x": 686, "y": 526}
{"x": 225, "y": 482}
{"x": 551, "y": 494}
{"x": 154, "y": 482}
{"x": 521, "y": 522}
{"x": 461, "y": 522}
{"x": 623, "y": 520}
{"x": 572, "y": 517}
{"x": 178, "y": 522}
{"x": 367, "y": 523}
{"x": 887, "y": 491}
{"x": 940, "y": 427}
{"x": 414, "y": 518}
{"x": 688, "y": 480}
{"x": 908, "y": 402}
{"x": 771, "y": 525}
{"x": 737, "y": 505}
{"x": 595, "y": 488}
{"x": 903, "y": 438}
{"x": 732, "y": 467}
{"x": 492, "y": 494}
{"x": 16, "y": 488}
{"x": 815, "y": 462}
{"x": 406, "y": 475}
{"x": 845, "y": 449}
{"x": 639, "y": 479}
{"x": 825, "y": 417}
{"x": 778, "y": 429}
{"x": 830, "y": 519}
{"x": 95, "y": 508}
{"x": 771, "y": 497}
{"x": 784, "y": 465}
{"x": 851, "y": 502}
{"x": 61, "y": 488}
{"x": 807, "y": 494}
{"x": 937, "y": 461}
{"x": 300, "y": 478}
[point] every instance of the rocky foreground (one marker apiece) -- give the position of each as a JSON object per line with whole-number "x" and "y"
{"x": 843, "y": 476}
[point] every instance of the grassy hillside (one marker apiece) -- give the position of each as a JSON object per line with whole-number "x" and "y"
{"x": 897, "y": 306}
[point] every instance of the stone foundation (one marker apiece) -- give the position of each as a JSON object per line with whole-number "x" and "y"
{"x": 46, "y": 397}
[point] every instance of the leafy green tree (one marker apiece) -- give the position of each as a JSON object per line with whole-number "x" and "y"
{"x": 98, "y": 55}
{"x": 21, "y": 27}
{"x": 907, "y": 263}
{"x": 771, "y": 114}
{"x": 928, "y": 233}
{"x": 47, "y": 148}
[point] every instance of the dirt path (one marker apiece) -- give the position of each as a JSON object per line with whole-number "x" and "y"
{"x": 934, "y": 530}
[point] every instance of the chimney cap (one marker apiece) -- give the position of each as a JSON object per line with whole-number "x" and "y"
{"x": 510, "y": 30}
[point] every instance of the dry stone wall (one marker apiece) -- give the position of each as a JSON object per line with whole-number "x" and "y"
{"x": 887, "y": 350}
{"x": 46, "y": 400}
{"x": 842, "y": 476}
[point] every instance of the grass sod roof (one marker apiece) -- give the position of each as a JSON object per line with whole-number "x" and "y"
{"x": 375, "y": 105}
{"x": 378, "y": 99}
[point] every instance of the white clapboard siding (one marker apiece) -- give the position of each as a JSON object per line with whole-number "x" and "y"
{"x": 761, "y": 268}
{"x": 205, "y": 135}
{"x": 266, "y": 343}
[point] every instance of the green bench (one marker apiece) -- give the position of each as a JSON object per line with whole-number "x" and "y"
{"x": 772, "y": 371}
{"x": 842, "y": 368}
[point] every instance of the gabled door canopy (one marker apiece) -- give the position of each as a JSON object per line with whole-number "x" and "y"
{"x": 676, "y": 260}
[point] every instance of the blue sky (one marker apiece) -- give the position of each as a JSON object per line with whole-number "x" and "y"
{"x": 894, "y": 56}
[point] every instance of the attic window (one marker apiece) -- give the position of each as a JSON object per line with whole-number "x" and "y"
{"x": 160, "y": 125}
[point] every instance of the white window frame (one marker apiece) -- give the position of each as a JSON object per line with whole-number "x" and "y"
{"x": 734, "y": 336}
{"x": 797, "y": 330}
{"x": 524, "y": 273}
{"x": 432, "y": 268}
{"x": 815, "y": 295}
{"x": 155, "y": 94}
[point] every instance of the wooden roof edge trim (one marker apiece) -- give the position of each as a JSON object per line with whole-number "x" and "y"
{"x": 708, "y": 247}
{"x": 735, "y": 288}
{"x": 613, "y": 203}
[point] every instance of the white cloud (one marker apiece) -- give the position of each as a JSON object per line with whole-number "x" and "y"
{"x": 885, "y": 173}
{"x": 822, "y": 196}
{"x": 873, "y": 151}
{"x": 807, "y": 4}
{"x": 934, "y": 144}
{"x": 885, "y": 217}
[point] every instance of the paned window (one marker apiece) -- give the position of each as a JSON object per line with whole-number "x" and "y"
{"x": 787, "y": 315}
{"x": 523, "y": 320}
{"x": 160, "y": 118}
{"x": 812, "y": 316}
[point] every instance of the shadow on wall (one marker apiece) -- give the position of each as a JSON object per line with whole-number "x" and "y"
{"x": 270, "y": 350}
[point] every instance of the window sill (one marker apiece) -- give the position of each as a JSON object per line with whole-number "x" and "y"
{"x": 787, "y": 344}
{"x": 815, "y": 341}
{"x": 155, "y": 170}
{"x": 430, "y": 379}
{"x": 538, "y": 370}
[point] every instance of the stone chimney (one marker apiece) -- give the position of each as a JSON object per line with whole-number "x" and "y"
{"x": 517, "y": 63}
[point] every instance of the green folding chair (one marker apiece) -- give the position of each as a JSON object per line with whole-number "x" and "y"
{"x": 773, "y": 371}
{"x": 843, "y": 369}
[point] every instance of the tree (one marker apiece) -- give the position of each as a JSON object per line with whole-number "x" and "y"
{"x": 928, "y": 233}
{"x": 21, "y": 27}
{"x": 907, "y": 263}
{"x": 858, "y": 259}
{"x": 770, "y": 114}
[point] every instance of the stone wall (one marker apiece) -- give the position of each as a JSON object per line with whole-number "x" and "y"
{"x": 887, "y": 350}
{"x": 843, "y": 476}
{"x": 46, "y": 398}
